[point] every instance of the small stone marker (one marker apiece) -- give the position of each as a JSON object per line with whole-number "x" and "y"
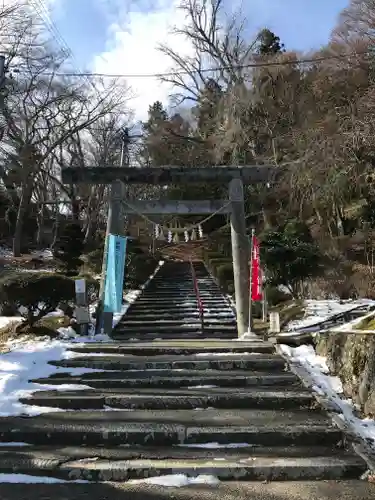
{"x": 82, "y": 309}
{"x": 274, "y": 322}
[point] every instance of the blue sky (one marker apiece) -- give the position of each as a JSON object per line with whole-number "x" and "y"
{"x": 119, "y": 36}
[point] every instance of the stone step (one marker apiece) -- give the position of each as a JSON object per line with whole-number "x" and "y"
{"x": 183, "y": 399}
{"x": 167, "y": 428}
{"x": 213, "y": 289}
{"x": 176, "y": 347}
{"x": 126, "y": 334}
{"x": 251, "y": 362}
{"x": 228, "y": 490}
{"x": 139, "y": 309}
{"x": 133, "y": 379}
{"x": 178, "y": 316}
{"x": 179, "y": 299}
{"x": 162, "y": 295}
{"x": 123, "y": 465}
{"x": 164, "y": 322}
{"x": 176, "y": 330}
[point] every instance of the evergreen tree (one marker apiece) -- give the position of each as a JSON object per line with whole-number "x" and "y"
{"x": 269, "y": 43}
{"x": 290, "y": 256}
{"x": 69, "y": 248}
{"x": 207, "y": 110}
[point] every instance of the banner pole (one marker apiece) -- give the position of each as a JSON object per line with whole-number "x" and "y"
{"x": 251, "y": 281}
{"x": 265, "y": 304}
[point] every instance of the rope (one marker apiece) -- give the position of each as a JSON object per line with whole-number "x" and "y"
{"x": 177, "y": 229}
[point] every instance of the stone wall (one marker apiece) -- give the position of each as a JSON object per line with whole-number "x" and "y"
{"x": 352, "y": 358}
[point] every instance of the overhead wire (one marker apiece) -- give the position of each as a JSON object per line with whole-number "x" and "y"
{"x": 42, "y": 11}
{"x": 167, "y": 74}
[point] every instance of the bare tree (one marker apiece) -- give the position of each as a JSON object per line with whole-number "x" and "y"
{"x": 43, "y": 114}
{"x": 217, "y": 43}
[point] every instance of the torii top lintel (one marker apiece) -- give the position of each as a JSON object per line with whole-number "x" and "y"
{"x": 167, "y": 174}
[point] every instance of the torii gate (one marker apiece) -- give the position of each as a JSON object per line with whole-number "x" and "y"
{"x": 234, "y": 176}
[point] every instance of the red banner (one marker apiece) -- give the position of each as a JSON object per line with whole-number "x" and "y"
{"x": 256, "y": 272}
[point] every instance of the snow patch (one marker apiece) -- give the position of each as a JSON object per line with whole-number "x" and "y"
{"x": 318, "y": 311}
{"x": 31, "y": 361}
{"x": 201, "y": 387}
{"x": 313, "y": 370}
{"x": 215, "y": 446}
{"x": 177, "y": 480}
{"x": 25, "y": 479}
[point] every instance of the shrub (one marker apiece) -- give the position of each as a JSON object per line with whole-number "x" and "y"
{"x": 224, "y": 274}
{"x": 276, "y": 296}
{"x": 138, "y": 269}
{"x": 69, "y": 248}
{"x": 94, "y": 260}
{"x": 215, "y": 263}
{"x": 212, "y": 255}
{"x": 35, "y": 295}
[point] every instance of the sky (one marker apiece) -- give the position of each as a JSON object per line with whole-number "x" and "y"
{"x": 121, "y": 36}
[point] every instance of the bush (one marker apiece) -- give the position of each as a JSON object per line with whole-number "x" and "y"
{"x": 69, "y": 248}
{"x": 212, "y": 255}
{"x": 215, "y": 263}
{"x": 276, "y": 296}
{"x": 138, "y": 269}
{"x": 35, "y": 295}
{"x": 224, "y": 274}
{"x": 94, "y": 260}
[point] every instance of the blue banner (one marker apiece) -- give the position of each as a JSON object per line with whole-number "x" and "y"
{"x": 114, "y": 278}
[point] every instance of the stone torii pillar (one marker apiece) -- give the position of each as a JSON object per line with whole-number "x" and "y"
{"x": 240, "y": 254}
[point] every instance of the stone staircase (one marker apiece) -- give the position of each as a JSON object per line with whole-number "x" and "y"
{"x": 169, "y": 398}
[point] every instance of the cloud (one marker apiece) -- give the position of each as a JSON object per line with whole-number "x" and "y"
{"x": 132, "y": 47}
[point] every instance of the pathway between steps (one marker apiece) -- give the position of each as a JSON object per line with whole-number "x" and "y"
{"x": 200, "y": 408}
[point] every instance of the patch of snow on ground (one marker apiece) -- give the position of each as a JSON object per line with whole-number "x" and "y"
{"x": 204, "y": 354}
{"x": 25, "y": 479}
{"x": 31, "y": 361}
{"x": 6, "y": 252}
{"x": 215, "y": 446}
{"x": 317, "y": 311}
{"x": 201, "y": 387}
{"x": 177, "y": 480}
{"x": 6, "y": 321}
{"x": 43, "y": 254}
{"x": 313, "y": 369}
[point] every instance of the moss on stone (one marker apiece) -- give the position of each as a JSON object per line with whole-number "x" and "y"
{"x": 352, "y": 358}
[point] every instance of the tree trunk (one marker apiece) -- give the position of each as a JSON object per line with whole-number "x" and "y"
{"x": 56, "y": 227}
{"x": 91, "y": 220}
{"x": 40, "y": 231}
{"x": 26, "y": 191}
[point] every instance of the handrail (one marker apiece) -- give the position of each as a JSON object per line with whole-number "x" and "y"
{"x": 197, "y": 294}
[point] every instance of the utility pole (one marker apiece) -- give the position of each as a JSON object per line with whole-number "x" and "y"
{"x": 115, "y": 225}
{"x": 240, "y": 252}
{"x": 2, "y": 88}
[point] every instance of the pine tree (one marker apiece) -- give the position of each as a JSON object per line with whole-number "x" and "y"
{"x": 154, "y": 128}
{"x": 69, "y": 248}
{"x": 269, "y": 43}
{"x": 207, "y": 110}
